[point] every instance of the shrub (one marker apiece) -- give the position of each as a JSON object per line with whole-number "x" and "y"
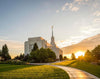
{"x": 42, "y": 55}
{"x": 15, "y": 62}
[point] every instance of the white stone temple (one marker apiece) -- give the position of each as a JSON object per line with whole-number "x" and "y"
{"x": 42, "y": 43}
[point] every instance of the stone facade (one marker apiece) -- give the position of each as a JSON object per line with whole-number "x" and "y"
{"x": 42, "y": 43}
{"x": 31, "y": 41}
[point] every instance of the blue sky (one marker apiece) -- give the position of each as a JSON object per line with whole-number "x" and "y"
{"x": 73, "y": 21}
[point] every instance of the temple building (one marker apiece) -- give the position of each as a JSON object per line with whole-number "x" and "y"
{"x": 42, "y": 43}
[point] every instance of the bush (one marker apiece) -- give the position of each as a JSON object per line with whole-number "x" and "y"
{"x": 49, "y": 60}
{"x": 42, "y": 55}
{"x": 15, "y": 62}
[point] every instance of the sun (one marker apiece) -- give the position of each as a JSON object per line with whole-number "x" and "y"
{"x": 79, "y": 53}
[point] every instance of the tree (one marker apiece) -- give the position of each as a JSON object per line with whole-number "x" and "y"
{"x": 0, "y": 55}
{"x": 81, "y": 58}
{"x": 42, "y": 55}
{"x": 65, "y": 57}
{"x": 0, "y": 52}
{"x": 16, "y": 58}
{"x": 60, "y": 57}
{"x": 51, "y": 54}
{"x": 5, "y": 54}
{"x": 35, "y": 47}
{"x": 96, "y": 52}
{"x": 26, "y": 57}
{"x": 34, "y": 55}
{"x": 34, "y": 52}
{"x": 73, "y": 56}
{"x": 21, "y": 57}
{"x": 88, "y": 56}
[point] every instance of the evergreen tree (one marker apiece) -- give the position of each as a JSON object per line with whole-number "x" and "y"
{"x": 43, "y": 55}
{"x": 34, "y": 52}
{"x": 34, "y": 55}
{"x": 51, "y": 54}
{"x": 26, "y": 57}
{"x": 73, "y": 56}
{"x": 88, "y": 56}
{"x": 16, "y": 58}
{"x": 35, "y": 47}
{"x": 5, "y": 53}
{"x": 96, "y": 52}
{"x": 21, "y": 57}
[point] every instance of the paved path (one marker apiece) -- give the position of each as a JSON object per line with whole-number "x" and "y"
{"x": 76, "y": 73}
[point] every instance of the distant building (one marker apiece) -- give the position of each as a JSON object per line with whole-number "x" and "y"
{"x": 42, "y": 43}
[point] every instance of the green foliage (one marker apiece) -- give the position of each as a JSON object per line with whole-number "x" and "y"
{"x": 26, "y": 58}
{"x": 42, "y": 55}
{"x": 81, "y": 58}
{"x": 15, "y": 62}
{"x": 38, "y": 55}
{"x": 73, "y": 56}
{"x": 20, "y": 57}
{"x": 5, "y": 53}
{"x": 31, "y": 72}
{"x": 0, "y": 53}
{"x": 96, "y": 52}
{"x": 60, "y": 57}
{"x": 51, "y": 54}
{"x": 88, "y": 56}
{"x": 35, "y": 47}
{"x": 65, "y": 58}
{"x": 34, "y": 56}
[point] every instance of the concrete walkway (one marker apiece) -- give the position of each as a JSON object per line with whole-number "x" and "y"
{"x": 76, "y": 73}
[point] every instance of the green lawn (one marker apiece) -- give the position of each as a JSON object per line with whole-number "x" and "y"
{"x": 31, "y": 72}
{"x": 93, "y": 69}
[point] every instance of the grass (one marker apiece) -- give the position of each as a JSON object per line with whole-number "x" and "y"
{"x": 31, "y": 72}
{"x": 93, "y": 69}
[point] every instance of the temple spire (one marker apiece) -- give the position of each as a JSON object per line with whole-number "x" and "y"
{"x": 52, "y": 39}
{"x": 52, "y": 30}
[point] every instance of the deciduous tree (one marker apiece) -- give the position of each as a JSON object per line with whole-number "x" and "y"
{"x": 73, "y": 56}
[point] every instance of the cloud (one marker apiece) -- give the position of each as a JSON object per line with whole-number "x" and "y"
{"x": 97, "y": 13}
{"x": 70, "y": 7}
{"x": 15, "y": 47}
{"x": 91, "y": 29}
{"x": 88, "y": 28}
{"x": 64, "y": 7}
{"x": 57, "y": 11}
{"x": 75, "y": 9}
{"x": 97, "y": 20}
{"x": 70, "y": 41}
{"x": 80, "y": 1}
{"x": 74, "y": 5}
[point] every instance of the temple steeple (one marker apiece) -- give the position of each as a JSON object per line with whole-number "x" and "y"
{"x": 52, "y": 31}
{"x": 52, "y": 38}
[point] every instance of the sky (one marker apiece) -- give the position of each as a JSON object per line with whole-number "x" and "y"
{"x": 73, "y": 21}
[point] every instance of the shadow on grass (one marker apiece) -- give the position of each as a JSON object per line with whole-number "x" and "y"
{"x": 9, "y": 67}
